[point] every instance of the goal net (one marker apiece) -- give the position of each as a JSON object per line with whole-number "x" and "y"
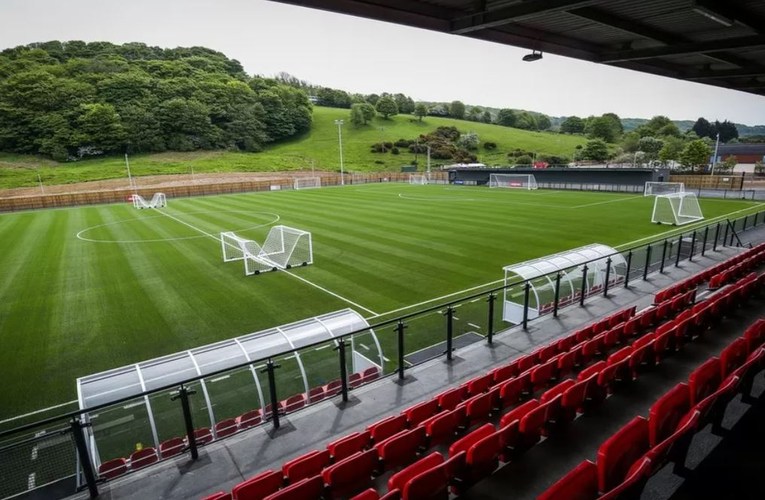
{"x": 284, "y": 248}
{"x": 676, "y": 209}
{"x": 157, "y": 201}
{"x": 659, "y": 188}
{"x": 307, "y": 182}
{"x": 418, "y": 179}
{"x": 515, "y": 181}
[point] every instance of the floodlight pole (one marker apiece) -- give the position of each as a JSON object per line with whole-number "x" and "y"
{"x": 39, "y": 179}
{"x": 339, "y": 124}
{"x": 428, "y": 161}
{"x": 130, "y": 177}
{"x": 714, "y": 159}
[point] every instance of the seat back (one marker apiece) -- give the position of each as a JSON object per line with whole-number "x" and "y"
{"x": 448, "y": 400}
{"x": 305, "y": 466}
{"x": 421, "y": 412}
{"x": 580, "y": 483}
{"x": 348, "y": 445}
{"x": 430, "y": 484}
{"x": 733, "y": 356}
{"x": 350, "y": 475}
{"x": 541, "y": 375}
{"x": 295, "y": 402}
{"x": 479, "y": 385}
{"x": 592, "y": 369}
{"x": 556, "y": 390}
{"x": 545, "y": 353}
{"x": 171, "y": 447}
{"x": 387, "y": 427}
{"x": 503, "y": 373}
{"x": 400, "y": 478}
{"x": 633, "y": 483}
{"x": 565, "y": 363}
{"x": 226, "y": 428}
{"x": 755, "y": 334}
{"x": 617, "y": 454}
{"x": 143, "y": 457}
{"x": 259, "y": 486}
{"x": 401, "y": 449}
{"x": 112, "y": 468}
{"x": 443, "y": 426}
{"x": 518, "y": 413}
{"x": 666, "y": 413}
{"x": 311, "y": 487}
{"x": 704, "y": 380}
{"x": 465, "y": 442}
{"x": 316, "y": 394}
{"x": 251, "y": 418}
{"x": 478, "y": 408}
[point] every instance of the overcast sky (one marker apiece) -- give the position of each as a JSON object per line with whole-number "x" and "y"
{"x": 366, "y": 56}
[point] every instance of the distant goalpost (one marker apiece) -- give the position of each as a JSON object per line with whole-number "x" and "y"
{"x": 285, "y": 247}
{"x": 419, "y": 179}
{"x": 676, "y": 209}
{"x": 513, "y": 181}
{"x": 659, "y": 188}
{"x": 307, "y": 182}
{"x": 159, "y": 200}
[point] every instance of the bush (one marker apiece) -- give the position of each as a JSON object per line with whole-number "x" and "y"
{"x": 418, "y": 148}
{"x": 380, "y": 162}
{"x": 395, "y": 150}
{"x": 490, "y": 145}
{"x": 403, "y": 143}
{"x": 523, "y": 160}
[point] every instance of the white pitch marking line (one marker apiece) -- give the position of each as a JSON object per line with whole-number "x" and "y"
{"x": 475, "y": 300}
{"x": 474, "y": 325}
{"x": 36, "y": 412}
{"x": 288, "y": 272}
{"x": 322, "y": 347}
{"x": 634, "y": 197}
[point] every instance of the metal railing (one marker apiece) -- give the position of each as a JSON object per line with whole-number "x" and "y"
{"x": 55, "y": 452}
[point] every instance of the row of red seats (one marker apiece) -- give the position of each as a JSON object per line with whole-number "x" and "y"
{"x": 395, "y": 441}
{"x": 204, "y": 435}
{"x": 641, "y": 448}
{"x": 570, "y": 299}
{"x": 752, "y": 258}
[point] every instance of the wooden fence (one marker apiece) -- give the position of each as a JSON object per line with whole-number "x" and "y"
{"x": 723, "y": 181}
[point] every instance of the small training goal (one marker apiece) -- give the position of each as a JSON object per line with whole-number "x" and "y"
{"x": 514, "y": 181}
{"x": 418, "y": 179}
{"x": 307, "y": 182}
{"x": 676, "y": 209}
{"x": 157, "y": 201}
{"x": 285, "y": 247}
{"x": 658, "y": 188}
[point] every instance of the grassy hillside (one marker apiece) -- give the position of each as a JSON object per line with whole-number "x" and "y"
{"x": 319, "y": 146}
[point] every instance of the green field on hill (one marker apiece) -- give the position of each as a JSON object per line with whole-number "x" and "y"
{"x": 319, "y": 148}
{"x": 93, "y": 288}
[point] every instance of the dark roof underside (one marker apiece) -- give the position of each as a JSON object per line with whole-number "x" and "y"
{"x": 717, "y": 42}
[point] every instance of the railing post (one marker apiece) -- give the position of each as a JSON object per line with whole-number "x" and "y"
{"x": 629, "y": 266}
{"x": 269, "y": 369}
{"x": 340, "y": 348}
{"x": 679, "y": 250}
{"x": 717, "y": 236}
{"x": 746, "y": 219}
{"x": 647, "y": 261}
{"x": 183, "y": 395}
{"x": 704, "y": 244}
{"x": 583, "y": 290}
{"x": 526, "y": 290}
{"x": 693, "y": 246}
{"x": 663, "y": 256}
{"x": 608, "y": 277}
{"x": 82, "y": 453}
{"x": 449, "y": 332}
{"x": 491, "y": 300}
{"x": 725, "y": 236}
{"x": 400, "y": 327}
{"x": 557, "y": 295}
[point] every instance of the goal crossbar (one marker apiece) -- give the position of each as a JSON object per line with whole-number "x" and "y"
{"x": 659, "y": 188}
{"x": 159, "y": 200}
{"x": 419, "y": 179}
{"x": 307, "y": 182}
{"x": 513, "y": 181}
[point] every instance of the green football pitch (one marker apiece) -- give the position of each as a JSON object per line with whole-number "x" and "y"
{"x": 93, "y": 288}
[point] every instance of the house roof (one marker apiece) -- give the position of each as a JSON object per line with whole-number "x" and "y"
{"x": 715, "y": 42}
{"x": 742, "y": 149}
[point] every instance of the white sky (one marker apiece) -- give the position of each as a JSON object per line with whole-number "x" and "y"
{"x": 366, "y": 56}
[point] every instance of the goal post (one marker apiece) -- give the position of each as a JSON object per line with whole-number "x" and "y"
{"x": 307, "y": 182}
{"x": 159, "y": 200}
{"x": 513, "y": 181}
{"x": 676, "y": 209}
{"x": 660, "y": 188}
{"x": 419, "y": 179}
{"x": 285, "y": 247}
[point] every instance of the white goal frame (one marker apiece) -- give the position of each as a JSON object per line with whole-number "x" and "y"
{"x": 661, "y": 188}
{"x": 159, "y": 200}
{"x": 677, "y": 209}
{"x": 307, "y": 182}
{"x": 284, "y": 248}
{"x": 513, "y": 181}
{"x": 419, "y": 179}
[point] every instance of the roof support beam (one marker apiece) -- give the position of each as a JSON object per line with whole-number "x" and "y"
{"x": 513, "y": 13}
{"x": 684, "y": 49}
{"x": 632, "y": 27}
{"x": 730, "y": 10}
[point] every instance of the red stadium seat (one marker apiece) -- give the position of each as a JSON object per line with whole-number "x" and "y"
{"x": 619, "y": 452}
{"x": 399, "y": 479}
{"x": 221, "y": 495}
{"x": 594, "y": 368}
{"x": 433, "y": 484}
{"x": 143, "y": 457}
{"x": 567, "y": 413}
{"x": 538, "y": 422}
{"x": 316, "y": 394}
{"x": 350, "y": 475}
{"x": 348, "y": 445}
{"x": 333, "y": 388}
{"x": 619, "y": 362}
{"x": 385, "y": 428}
{"x": 583, "y": 334}
{"x": 614, "y": 336}
{"x": 465, "y": 442}
{"x": 481, "y": 460}
{"x": 370, "y": 374}
{"x": 312, "y": 487}
{"x": 755, "y": 334}
{"x": 478, "y": 408}
{"x": 503, "y": 373}
{"x": 226, "y": 428}
{"x": 401, "y": 448}
{"x": 565, "y": 363}
{"x": 746, "y": 372}
{"x": 667, "y": 412}
{"x": 526, "y": 362}
{"x": 249, "y": 419}
{"x": 112, "y": 468}
{"x": 443, "y": 427}
{"x": 510, "y": 392}
{"x": 203, "y": 436}
{"x": 542, "y": 375}
{"x": 258, "y": 487}
{"x": 545, "y": 353}
{"x": 294, "y": 403}
{"x": 448, "y": 400}
{"x": 675, "y": 447}
{"x": 633, "y": 483}
{"x": 479, "y": 385}
{"x": 171, "y": 447}
{"x": 579, "y": 484}
{"x": 704, "y": 380}
{"x": 307, "y": 465}
{"x": 733, "y": 356}
{"x": 421, "y": 412}
{"x": 354, "y": 380}
{"x": 593, "y": 348}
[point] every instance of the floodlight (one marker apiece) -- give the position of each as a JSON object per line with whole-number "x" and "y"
{"x": 534, "y": 56}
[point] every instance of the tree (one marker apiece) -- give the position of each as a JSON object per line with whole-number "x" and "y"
{"x": 671, "y": 149}
{"x": 727, "y": 131}
{"x": 468, "y": 141}
{"x": 596, "y": 150}
{"x": 405, "y": 104}
{"x": 650, "y": 146}
{"x": 703, "y": 128}
{"x": 386, "y": 106}
{"x": 616, "y": 122}
{"x": 543, "y": 122}
{"x": 506, "y": 117}
{"x": 101, "y": 127}
{"x": 572, "y": 125}
{"x": 420, "y": 110}
{"x": 357, "y": 116}
{"x": 486, "y": 116}
{"x": 601, "y": 128}
{"x": 695, "y": 154}
{"x": 526, "y": 121}
{"x": 474, "y": 115}
{"x": 728, "y": 164}
{"x": 457, "y": 110}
